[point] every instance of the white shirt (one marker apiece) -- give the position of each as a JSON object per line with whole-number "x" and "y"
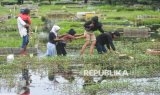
{"x": 21, "y": 28}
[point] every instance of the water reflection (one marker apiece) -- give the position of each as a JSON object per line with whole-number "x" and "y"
{"x": 24, "y": 83}
{"x": 55, "y": 82}
{"x": 67, "y": 75}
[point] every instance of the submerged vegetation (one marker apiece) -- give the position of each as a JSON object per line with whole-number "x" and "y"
{"x": 132, "y": 55}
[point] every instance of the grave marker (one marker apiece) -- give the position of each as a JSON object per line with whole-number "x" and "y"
{"x": 136, "y": 32}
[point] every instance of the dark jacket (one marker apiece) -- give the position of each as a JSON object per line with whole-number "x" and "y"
{"x": 105, "y": 38}
{"x": 97, "y": 26}
{"x": 52, "y": 36}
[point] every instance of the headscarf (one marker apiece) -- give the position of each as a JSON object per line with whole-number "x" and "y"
{"x": 55, "y": 29}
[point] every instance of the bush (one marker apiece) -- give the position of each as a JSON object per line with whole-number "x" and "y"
{"x": 151, "y": 21}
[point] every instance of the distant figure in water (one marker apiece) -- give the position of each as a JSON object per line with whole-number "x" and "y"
{"x": 23, "y": 83}
{"x": 22, "y": 88}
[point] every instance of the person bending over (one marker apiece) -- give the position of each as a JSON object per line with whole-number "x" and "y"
{"x": 106, "y": 39}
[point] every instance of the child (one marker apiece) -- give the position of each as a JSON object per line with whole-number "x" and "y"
{"x": 25, "y": 17}
{"x": 66, "y": 38}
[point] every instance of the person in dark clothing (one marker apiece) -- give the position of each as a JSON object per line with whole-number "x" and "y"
{"x": 69, "y": 36}
{"x": 93, "y": 25}
{"x": 90, "y": 27}
{"x": 51, "y": 45}
{"x": 106, "y": 39}
{"x": 62, "y": 44}
{"x": 26, "y": 76}
{"x": 51, "y": 38}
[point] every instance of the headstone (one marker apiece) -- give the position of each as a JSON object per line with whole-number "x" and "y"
{"x": 136, "y": 32}
{"x": 60, "y": 15}
{"x": 153, "y": 51}
{"x": 84, "y": 15}
{"x": 16, "y": 51}
{"x": 3, "y": 18}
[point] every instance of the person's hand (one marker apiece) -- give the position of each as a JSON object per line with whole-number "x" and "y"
{"x": 79, "y": 37}
{"x": 57, "y": 39}
{"x": 27, "y": 25}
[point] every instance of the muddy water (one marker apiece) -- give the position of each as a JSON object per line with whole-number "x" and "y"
{"x": 61, "y": 85}
{"x": 41, "y": 85}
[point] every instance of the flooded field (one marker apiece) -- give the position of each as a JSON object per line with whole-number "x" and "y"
{"x": 133, "y": 69}
{"x": 57, "y": 80}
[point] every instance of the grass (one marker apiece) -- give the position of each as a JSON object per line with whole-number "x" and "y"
{"x": 107, "y": 87}
{"x": 142, "y": 66}
{"x": 3, "y": 10}
{"x": 111, "y": 16}
{"x": 145, "y": 65}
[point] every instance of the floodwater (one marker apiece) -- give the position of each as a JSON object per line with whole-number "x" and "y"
{"x": 41, "y": 85}
{"x": 72, "y": 84}
{"x": 61, "y": 85}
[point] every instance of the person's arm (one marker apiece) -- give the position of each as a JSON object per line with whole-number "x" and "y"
{"x": 111, "y": 44}
{"x": 61, "y": 36}
{"x": 108, "y": 46}
{"x": 87, "y": 25}
{"x": 58, "y": 39}
{"x": 77, "y": 35}
{"x": 53, "y": 38}
{"x": 100, "y": 28}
